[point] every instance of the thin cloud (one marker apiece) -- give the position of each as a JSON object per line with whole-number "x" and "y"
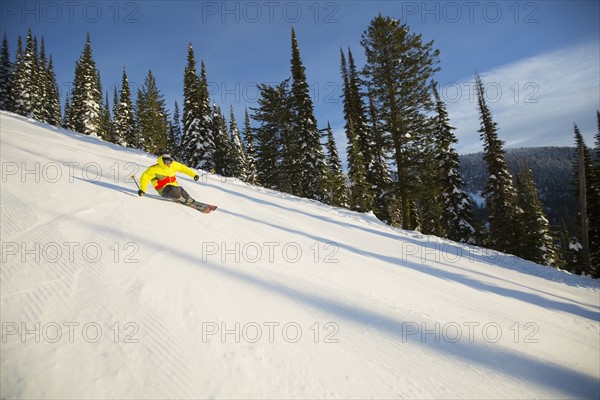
{"x": 534, "y": 101}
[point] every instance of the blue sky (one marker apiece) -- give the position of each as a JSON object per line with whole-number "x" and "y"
{"x": 539, "y": 59}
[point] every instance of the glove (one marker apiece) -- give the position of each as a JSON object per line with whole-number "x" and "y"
{"x": 141, "y": 193}
{"x": 196, "y": 178}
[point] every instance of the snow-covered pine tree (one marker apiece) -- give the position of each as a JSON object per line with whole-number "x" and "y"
{"x": 37, "y": 97}
{"x": 397, "y": 72}
{"x": 598, "y": 138}
{"x": 106, "y": 124}
{"x": 124, "y": 119}
{"x": 52, "y": 103}
{"x": 221, "y": 143}
{"x": 356, "y": 136}
{"x": 308, "y": 161}
{"x": 115, "y": 111}
{"x": 251, "y": 173}
{"x": 535, "y": 241}
{"x": 456, "y": 217}
{"x": 41, "y": 82}
{"x": 198, "y": 144}
{"x": 102, "y": 122}
{"x": 86, "y": 99}
{"x": 582, "y": 161}
{"x": 191, "y": 112}
{"x": 385, "y": 203}
{"x": 336, "y": 192}
{"x": 172, "y": 147}
{"x": 237, "y": 156}
{"x": 271, "y": 152}
{"x": 6, "y": 76}
{"x": 428, "y": 187}
{"x": 594, "y": 215}
{"x": 357, "y": 111}
{"x": 499, "y": 193}
{"x": 207, "y": 133}
{"x": 151, "y": 117}
{"x": 25, "y": 81}
{"x": 175, "y": 135}
{"x": 115, "y": 108}
{"x": 17, "y": 77}
{"x": 66, "y": 121}
{"x": 361, "y": 198}
{"x": 569, "y": 249}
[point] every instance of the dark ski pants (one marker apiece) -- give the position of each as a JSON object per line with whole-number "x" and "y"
{"x": 175, "y": 193}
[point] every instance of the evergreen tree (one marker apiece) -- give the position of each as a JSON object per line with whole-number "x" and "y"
{"x": 124, "y": 119}
{"x": 191, "y": 111}
{"x": 17, "y": 80}
{"x": 32, "y": 90}
{"x": 106, "y": 125}
{"x": 271, "y": 149}
{"x": 356, "y": 135}
{"x": 357, "y": 112}
{"x": 86, "y": 101}
{"x": 115, "y": 112}
{"x": 456, "y": 216}
{"x": 66, "y": 122}
{"x": 598, "y": 138}
{"x": 584, "y": 192}
{"x": 335, "y": 181}
{"x": 172, "y": 147}
{"x": 351, "y": 138}
{"x": 306, "y": 159}
{"x": 430, "y": 180}
{"x": 221, "y": 143}
{"x": 198, "y": 144}
{"x": 594, "y": 206}
{"x": 385, "y": 203}
{"x": 40, "y": 82}
{"x": 25, "y": 83}
{"x": 237, "y": 157}
{"x": 570, "y": 250}
{"x": 6, "y": 76}
{"x": 429, "y": 186}
{"x": 251, "y": 173}
{"x": 151, "y": 117}
{"x": 499, "y": 192}
{"x": 176, "y": 134}
{"x": 207, "y": 133}
{"x": 53, "y": 113}
{"x": 398, "y": 69}
{"x": 354, "y": 110}
{"x": 535, "y": 241}
{"x": 361, "y": 198}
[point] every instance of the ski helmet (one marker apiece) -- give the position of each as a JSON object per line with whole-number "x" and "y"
{"x": 167, "y": 159}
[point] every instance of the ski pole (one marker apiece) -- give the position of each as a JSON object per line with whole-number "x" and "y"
{"x": 135, "y": 180}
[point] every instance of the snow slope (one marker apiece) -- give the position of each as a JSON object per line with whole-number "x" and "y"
{"x": 105, "y": 294}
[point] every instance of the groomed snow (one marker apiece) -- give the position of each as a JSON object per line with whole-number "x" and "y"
{"x": 108, "y": 295}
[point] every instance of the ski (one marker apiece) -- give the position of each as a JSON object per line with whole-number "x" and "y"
{"x": 196, "y": 205}
{"x": 202, "y": 207}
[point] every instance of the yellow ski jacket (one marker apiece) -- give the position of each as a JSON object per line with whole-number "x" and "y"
{"x": 161, "y": 175}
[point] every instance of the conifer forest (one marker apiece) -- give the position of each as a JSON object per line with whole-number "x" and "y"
{"x": 402, "y": 164}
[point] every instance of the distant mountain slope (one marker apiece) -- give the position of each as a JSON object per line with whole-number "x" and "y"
{"x": 552, "y": 173}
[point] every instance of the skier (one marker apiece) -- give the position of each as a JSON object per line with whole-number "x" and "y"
{"x": 162, "y": 176}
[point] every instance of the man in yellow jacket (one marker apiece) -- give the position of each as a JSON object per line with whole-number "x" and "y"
{"x": 162, "y": 176}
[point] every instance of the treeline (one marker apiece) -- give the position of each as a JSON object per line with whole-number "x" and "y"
{"x": 582, "y": 254}
{"x": 516, "y": 220}
{"x": 402, "y": 164}
{"x": 552, "y": 171}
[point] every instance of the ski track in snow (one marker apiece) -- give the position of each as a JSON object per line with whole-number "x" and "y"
{"x": 105, "y": 294}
